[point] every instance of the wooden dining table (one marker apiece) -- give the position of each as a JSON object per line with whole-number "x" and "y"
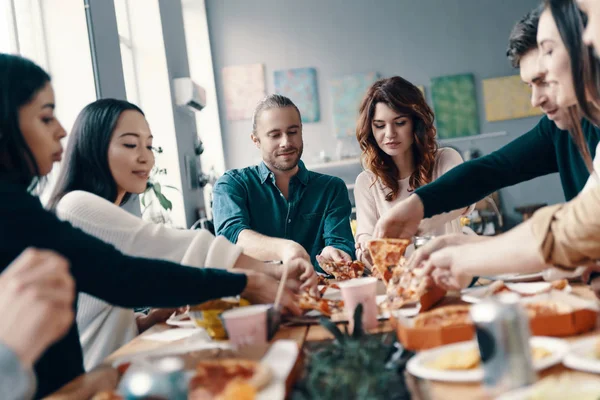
{"x": 105, "y": 377}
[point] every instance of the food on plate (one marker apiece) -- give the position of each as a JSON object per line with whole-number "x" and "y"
{"x": 466, "y": 359}
{"x": 207, "y": 315}
{"x": 228, "y": 378}
{"x": 563, "y": 387}
{"x": 559, "y": 284}
{"x": 327, "y": 307}
{"x": 498, "y": 287}
{"x": 443, "y": 317}
{"x": 456, "y": 360}
{"x": 343, "y": 270}
{"x": 546, "y": 308}
{"x": 538, "y": 353}
{"x": 387, "y": 254}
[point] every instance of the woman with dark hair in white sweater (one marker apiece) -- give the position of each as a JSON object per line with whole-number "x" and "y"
{"x": 109, "y": 157}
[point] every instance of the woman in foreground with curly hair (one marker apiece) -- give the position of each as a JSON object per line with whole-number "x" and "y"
{"x": 399, "y": 153}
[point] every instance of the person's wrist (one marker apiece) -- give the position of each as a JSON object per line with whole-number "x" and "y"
{"x": 417, "y": 205}
{"x": 26, "y": 354}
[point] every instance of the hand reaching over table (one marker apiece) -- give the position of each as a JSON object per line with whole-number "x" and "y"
{"x": 332, "y": 254}
{"x": 591, "y": 276}
{"x": 401, "y": 221}
{"x": 262, "y": 289}
{"x": 423, "y": 253}
{"x": 445, "y": 269}
{"x": 301, "y": 275}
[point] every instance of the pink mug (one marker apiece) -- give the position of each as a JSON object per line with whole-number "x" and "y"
{"x": 360, "y": 291}
{"x": 246, "y": 325}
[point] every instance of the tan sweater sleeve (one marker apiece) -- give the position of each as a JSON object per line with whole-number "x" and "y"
{"x": 366, "y": 209}
{"x": 568, "y": 235}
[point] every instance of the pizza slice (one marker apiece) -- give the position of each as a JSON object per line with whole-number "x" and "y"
{"x": 343, "y": 270}
{"x": 327, "y": 307}
{"x": 404, "y": 287}
{"x": 387, "y": 254}
{"x": 228, "y": 378}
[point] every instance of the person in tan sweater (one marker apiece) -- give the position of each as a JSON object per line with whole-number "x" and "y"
{"x": 399, "y": 153}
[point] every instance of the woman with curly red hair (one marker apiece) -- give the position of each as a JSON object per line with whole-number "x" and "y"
{"x": 399, "y": 153}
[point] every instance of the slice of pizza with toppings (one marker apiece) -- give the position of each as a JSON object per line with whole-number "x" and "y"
{"x": 387, "y": 254}
{"x": 216, "y": 377}
{"x": 406, "y": 286}
{"x": 327, "y": 307}
{"x": 343, "y": 270}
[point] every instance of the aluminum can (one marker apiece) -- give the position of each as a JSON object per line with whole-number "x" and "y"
{"x": 164, "y": 378}
{"x": 502, "y": 331}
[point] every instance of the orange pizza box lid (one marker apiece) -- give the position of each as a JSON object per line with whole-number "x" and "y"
{"x": 582, "y": 316}
{"x": 426, "y": 338}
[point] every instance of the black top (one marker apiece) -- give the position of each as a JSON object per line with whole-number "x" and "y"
{"x": 99, "y": 270}
{"x": 543, "y": 150}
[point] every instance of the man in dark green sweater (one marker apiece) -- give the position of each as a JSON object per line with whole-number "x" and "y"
{"x": 546, "y": 149}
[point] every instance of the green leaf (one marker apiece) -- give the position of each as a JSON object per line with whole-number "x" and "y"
{"x": 331, "y": 327}
{"x": 171, "y": 187}
{"x": 164, "y": 202}
{"x": 144, "y": 200}
{"x": 358, "y": 325}
{"x": 157, "y": 189}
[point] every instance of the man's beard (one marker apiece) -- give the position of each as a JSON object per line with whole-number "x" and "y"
{"x": 289, "y": 165}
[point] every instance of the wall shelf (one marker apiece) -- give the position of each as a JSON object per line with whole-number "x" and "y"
{"x": 472, "y": 137}
{"x": 333, "y": 164}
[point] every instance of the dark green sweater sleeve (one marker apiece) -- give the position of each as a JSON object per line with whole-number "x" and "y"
{"x": 101, "y": 270}
{"x": 529, "y": 156}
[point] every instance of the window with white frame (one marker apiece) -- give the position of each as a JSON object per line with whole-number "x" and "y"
{"x": 8, "y": 34}
{"x": 127, "y": 51}
{"x": 53, "y": 34}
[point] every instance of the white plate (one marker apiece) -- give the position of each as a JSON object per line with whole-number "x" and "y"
{"x": 584, "y": 387}
{"x": 478, "y": 293}
{"x": 178, "y": 320}
{"x": 417, "y": 365}
{"x": 581, "y": 355}
{"x": 516, "y": 277}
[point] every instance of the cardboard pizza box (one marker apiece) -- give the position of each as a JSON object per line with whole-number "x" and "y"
{"x": 582, "y": 319}
{"x": 426, "y": 338}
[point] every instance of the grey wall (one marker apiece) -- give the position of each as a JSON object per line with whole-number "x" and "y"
{"x": 415, "y": 39}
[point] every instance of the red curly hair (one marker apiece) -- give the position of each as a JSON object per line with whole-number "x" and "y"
{"x": 404, "y": 98}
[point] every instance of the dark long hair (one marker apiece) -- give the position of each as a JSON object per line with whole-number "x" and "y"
{"x": 85, "y": 166}
{"x": 20, "y": 81}
{"x": 571, "y": 22}
{"x": 403, "y": 97}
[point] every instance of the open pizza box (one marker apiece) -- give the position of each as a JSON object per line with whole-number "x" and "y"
{"x": 582, "y": 318}
{"x": 282, "y": 358}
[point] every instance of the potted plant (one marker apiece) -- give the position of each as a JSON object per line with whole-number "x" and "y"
{"x": 156, "y": 207}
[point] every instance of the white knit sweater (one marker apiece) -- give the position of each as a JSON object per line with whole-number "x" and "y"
{"x": 104, "y": 328}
